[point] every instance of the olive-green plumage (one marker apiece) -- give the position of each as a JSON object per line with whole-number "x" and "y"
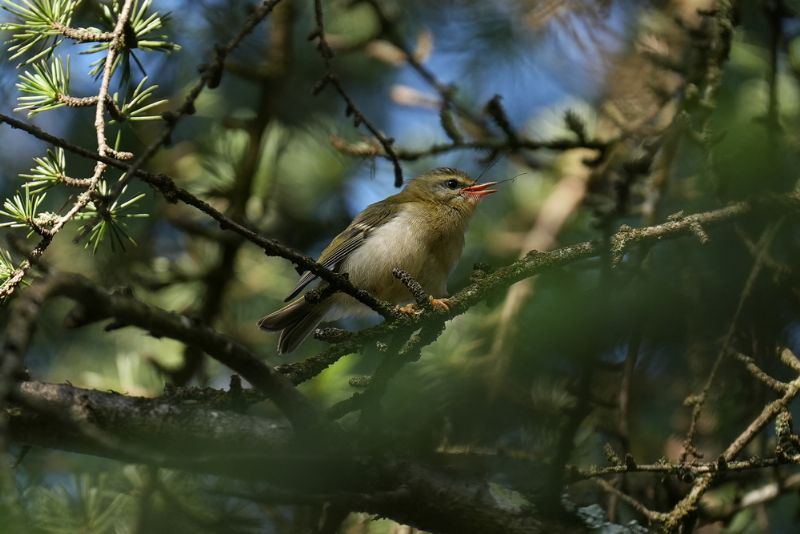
{"x": 420, "y": 230}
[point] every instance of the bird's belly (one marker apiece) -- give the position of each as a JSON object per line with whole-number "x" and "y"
{"x": 399, "y": 244}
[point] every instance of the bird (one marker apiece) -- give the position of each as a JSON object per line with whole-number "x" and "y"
{"x": 419, "y": 230}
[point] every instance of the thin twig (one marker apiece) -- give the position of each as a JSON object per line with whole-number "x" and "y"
{"x": 759, "y": 374}
{"x": 688, "y": 504}
{"x": 421, "y": 296}
{"x": 698, "y": 401}
{"x": 351, "y": 109}
{"x": 84, "y": 35}
{"x": 167, "y": 187}
{"x": 513, "y": 143}
{"x": 682, "y": 470}
{"x": 210, "y": 77}
{"x": 789, "y": 359}
{"x": 88, "y": 101}
{"x": 650, "y": 515}
{"x": 489, "y": 144}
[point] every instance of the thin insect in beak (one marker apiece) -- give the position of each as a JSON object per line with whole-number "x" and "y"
{"x": 511, "y": 179}
{"x": 479, "y": 190}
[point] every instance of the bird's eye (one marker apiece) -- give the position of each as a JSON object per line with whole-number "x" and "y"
{"x": 451, "y": 184}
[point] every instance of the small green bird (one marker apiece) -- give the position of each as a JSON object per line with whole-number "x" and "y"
{"x": 419, "y": 230}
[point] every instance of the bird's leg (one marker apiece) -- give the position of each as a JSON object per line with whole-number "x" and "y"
{"x": 440, "y": 305}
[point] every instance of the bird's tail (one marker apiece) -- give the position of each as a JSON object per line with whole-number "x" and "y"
{"x": 295, "y": 321}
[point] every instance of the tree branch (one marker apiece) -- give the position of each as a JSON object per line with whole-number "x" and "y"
{"x": 103, "y": 149}
{"x": 535, "y": 263}
{"x": 195, "y": 438}
{"x": 529, "y": 265}
{"x": 688, "y": 504}
{"x": 101, "y": 304}
{"x": 172, "y": 193}
{"x": 211, "y": 74}
{"x": 83, "y": 35}
{"x": 330, "y": 77}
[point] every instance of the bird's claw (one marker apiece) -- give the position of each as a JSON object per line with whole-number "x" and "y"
{"x": 440, "y": 305}
{"x": 408, "y": 309}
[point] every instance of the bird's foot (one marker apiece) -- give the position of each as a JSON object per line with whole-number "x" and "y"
{"x": 440, "y": 305}
{"x": 408, "y": 309}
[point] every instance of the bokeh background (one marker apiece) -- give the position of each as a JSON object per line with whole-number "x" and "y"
{"x": 553, "y": 370}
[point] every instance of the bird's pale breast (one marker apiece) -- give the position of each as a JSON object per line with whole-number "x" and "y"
{"x": 405, "y": 242}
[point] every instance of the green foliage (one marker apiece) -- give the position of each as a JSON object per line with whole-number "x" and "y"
{"x": 34, "y": 25}
{"x": 22, "y": 211}
{"x": 90, "y": 506}
{"x": 136, "y": 107}
{"x": 47, "y": 87}
{"x": 258, "y": 149}
{"x": 141, "y": 33}
{"x": 6, "y": 265}
{"x": 44, "y": 87}
{"x": 49, "y": 170}
{"x": 109, "y": 222}
{"x": 220, "y": 161}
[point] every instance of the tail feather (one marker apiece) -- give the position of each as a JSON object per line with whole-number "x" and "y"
{"x": 286, "y": 316}
{"x": 295, "y": 321}
{"x": 293, "y": 335}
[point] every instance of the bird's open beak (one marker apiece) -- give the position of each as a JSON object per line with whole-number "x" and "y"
{"x": 479, "y": 190}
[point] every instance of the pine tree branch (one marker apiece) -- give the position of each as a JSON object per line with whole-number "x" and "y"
{"x": 621, "y": 242}
{"x": 211, "y": 76}
{"x": 11, "y": 283}
{"x": 83, "y": 35}
{"x": 195, "y": 438}
{"x": 98, "y": 304}
{"x": 172, "y": 193}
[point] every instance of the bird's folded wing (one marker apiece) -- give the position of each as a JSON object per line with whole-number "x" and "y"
{"x": 349, "y": 240}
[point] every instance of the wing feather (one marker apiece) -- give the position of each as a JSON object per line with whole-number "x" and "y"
{"x": 348, "y": 241}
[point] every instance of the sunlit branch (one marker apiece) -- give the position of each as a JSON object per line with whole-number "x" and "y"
{"x": 103, "y": 149}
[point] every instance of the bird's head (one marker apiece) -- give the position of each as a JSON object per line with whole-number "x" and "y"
{"x": 449, "y": 187}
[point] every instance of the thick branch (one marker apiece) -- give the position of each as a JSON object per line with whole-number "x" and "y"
{"x": 204, "y": 440}
{"x": 99, "y": 304}
{"x": 174, "y": 426}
